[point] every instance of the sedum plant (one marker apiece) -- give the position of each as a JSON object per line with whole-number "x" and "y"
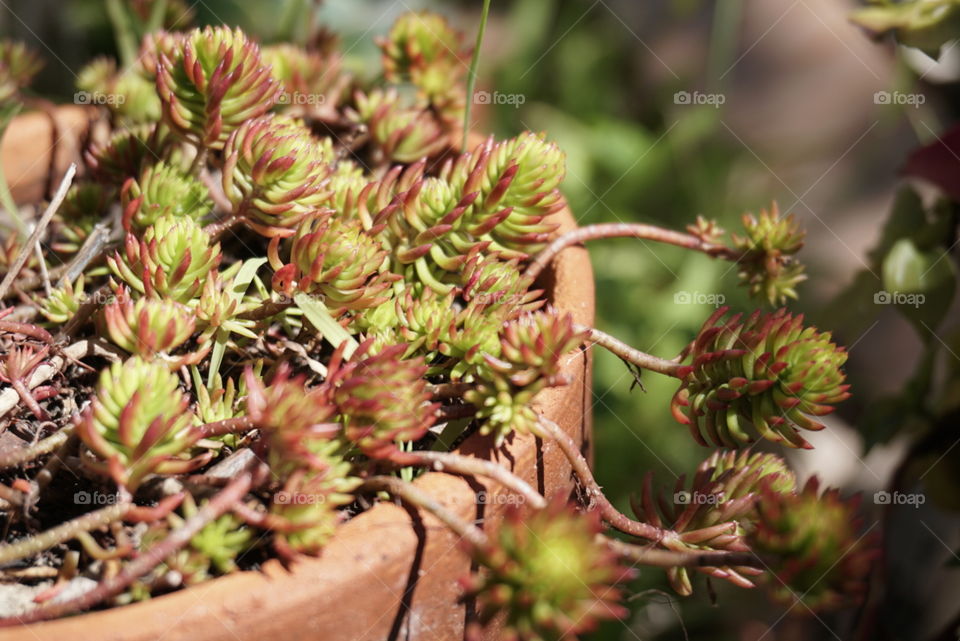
{"x": 380, "y": 291}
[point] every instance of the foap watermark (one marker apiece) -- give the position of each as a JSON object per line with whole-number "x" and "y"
{"x": 95, "y": 498}
{"x": 898, "y": 98}
{"x": 497, "y": 98}
{"x": 301, "y": 99}
{"x": 916, "y": 499}
{"x": 98, "y": 98}
{"x": 698, "y": 298}
{"x": 298, "y": 498}
{"x": 485, "y": 498}
{"x": 884, "y": 297}
{"x": 697, "y": 498}
{"x": 699, "y": 98}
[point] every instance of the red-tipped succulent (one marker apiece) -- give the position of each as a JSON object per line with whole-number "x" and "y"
{"x": 211, "y": 83}
{"x": 544, "y": 575}
{"x": 382, "y": 398}
{"x": 766, "y": 371}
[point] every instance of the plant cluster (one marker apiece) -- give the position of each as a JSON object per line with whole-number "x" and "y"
{"x": 303, "y": 293}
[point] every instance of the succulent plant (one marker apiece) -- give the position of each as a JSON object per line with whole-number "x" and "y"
{"x": 312, "y": 81}
{"x": 127, "y": 152}
{"x": 824, "y": 555}
{"x": 162, "y": 190}
{"x": 18, "y": 65}
{"x": 494, "y": 282}
{"x": 138, "y": 423}
{"x": 337, "y": 259}
{"x": 16, "y": 369}
{"x": 128, "y": 94}
{"x": 402, "y": 133}
{"x": 219, "y": 310}
{"x": 62, "y": 303}
{"x": 382, "y": 398}
{"x": 84, "y": 206}
{"x": 213, "y": 550}
{"x": 544, "y": 574}
{"x": 531, "y": 351}
{"x": 423, "y": 49}
{"x": 766, "y": 371}
{"x": 172, "y": 259}
{"x": 214, "y": 82}
{"x": 767, "y": 266}
{"x": 275, "y": 174}
{"x": 518, "y": 180}
{"x": 148, "y": 327}
{"x": 308, "y": 501}
{"x": 716, "y": 511}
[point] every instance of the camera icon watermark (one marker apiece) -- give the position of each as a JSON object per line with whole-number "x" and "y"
{"x": 884, "y": 297}
{"x": 916, "y": 499}
{"x": 99, "y": 98}
{"x": 684, "y": 297}
{"x": 697, "y": 498}
{"x": 699, "y": 98}
{"x": 898, "y": 98}
{"x": 298, "y": 498}
{"x": 497, "y": 98}
{"x": 94, "y": 498}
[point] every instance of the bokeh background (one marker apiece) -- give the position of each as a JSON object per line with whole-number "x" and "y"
{"x": 790, "y": 114}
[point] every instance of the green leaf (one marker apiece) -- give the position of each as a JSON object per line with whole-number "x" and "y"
{"x": 245, "y": 276}
{"x": 318, "y": 315}
{"x": 920, "y": 283}
{"x": 216, "y": 355}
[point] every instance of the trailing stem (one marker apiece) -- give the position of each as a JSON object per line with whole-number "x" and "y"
{"x": 629, "y": 354}
{"x": 37, "y": 543}
{"x": 471, "y": 466}
{"x": 416, "y": 497}
{"x": 647, "y": 555}
{"x": 625, "y": 230}
{"x": 581, "y": 468}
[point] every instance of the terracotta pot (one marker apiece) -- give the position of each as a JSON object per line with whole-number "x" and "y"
{"x": 38, "y": 147}
{"x": 389, "y": 573}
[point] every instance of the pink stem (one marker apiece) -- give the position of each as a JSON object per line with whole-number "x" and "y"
{"x": 624, "y": 230}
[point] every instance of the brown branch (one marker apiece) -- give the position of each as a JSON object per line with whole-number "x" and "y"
{"x": 581, "y": 468}
{"x": 416, "y": 497}
{"x": 41, "y": 227}
{"x": 471, "y": 466}
{"x": 647, "y": 555}
{"x": 629, "y": 354}
{"x": 625, "y": 230}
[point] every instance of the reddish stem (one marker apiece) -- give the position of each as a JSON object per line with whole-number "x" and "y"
{"x": 226, "y": 426}
{"x": 416, "y": 497}
{"x": 28, "y": 399}
{"x": 581, "y": 468}
{"x": 629, "y": 354}
{"x": 27, "y": 329}
{"x": 625, "y": 230}
{"x": 471, "y": 466}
